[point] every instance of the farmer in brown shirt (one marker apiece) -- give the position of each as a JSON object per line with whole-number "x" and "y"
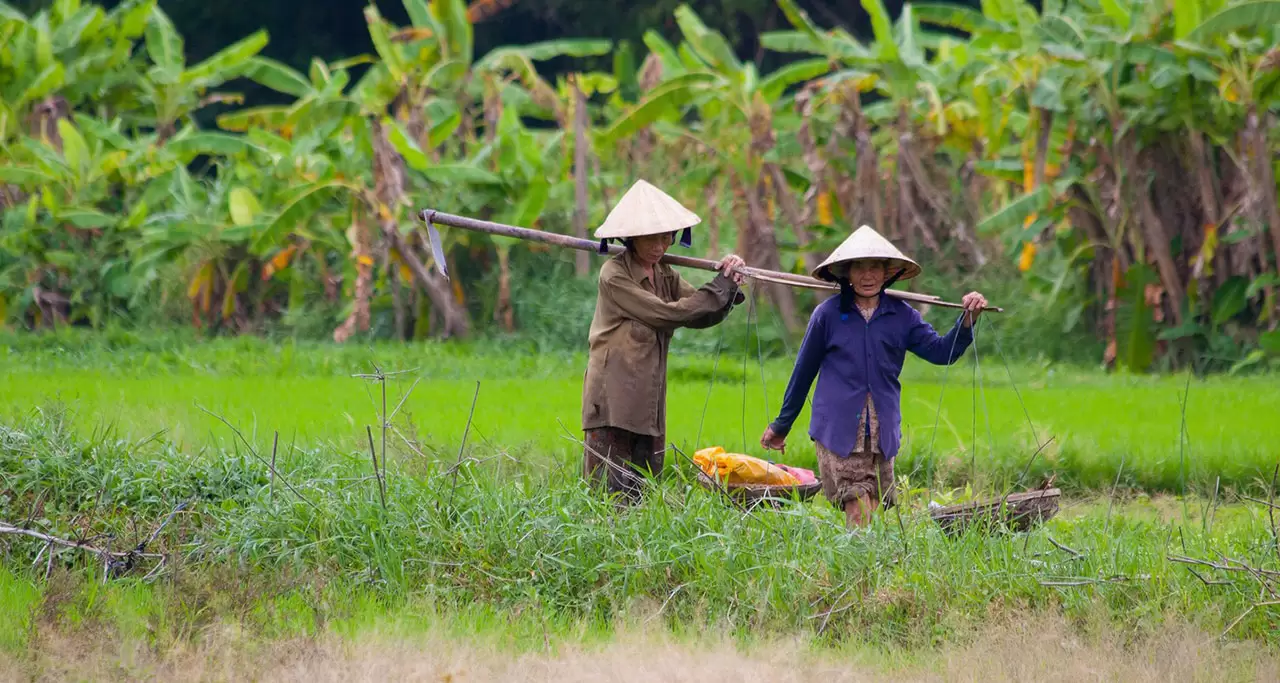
{"x": 640, "y": 305}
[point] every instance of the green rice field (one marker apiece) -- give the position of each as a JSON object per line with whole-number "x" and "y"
{"x": 1161, "y": 544}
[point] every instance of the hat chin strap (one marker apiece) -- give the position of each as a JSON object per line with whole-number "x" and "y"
{"x": 889, "y": 283}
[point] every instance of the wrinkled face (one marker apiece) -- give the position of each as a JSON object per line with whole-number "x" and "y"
{"x": 651, "y": 248}
{"x": 868, "y": 275}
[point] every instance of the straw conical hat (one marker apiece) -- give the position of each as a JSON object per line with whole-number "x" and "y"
{"x": 866, "y": 243}
{"x": 645, "y": 210}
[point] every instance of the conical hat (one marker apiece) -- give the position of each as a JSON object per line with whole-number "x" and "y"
{"x": 866, "y": 243}
{"x": 645, "y": 210}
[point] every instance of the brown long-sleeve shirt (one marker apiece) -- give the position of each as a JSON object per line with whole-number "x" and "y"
{"x": 625, "y": 385}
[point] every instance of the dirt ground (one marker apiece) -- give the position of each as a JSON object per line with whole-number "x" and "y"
{"x": 1009, "y": 653}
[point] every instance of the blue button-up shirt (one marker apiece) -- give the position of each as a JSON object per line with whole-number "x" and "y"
{"x": 853, "y": 357}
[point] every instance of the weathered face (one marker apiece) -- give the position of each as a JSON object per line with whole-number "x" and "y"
{"x": 651, "y": 248}
{"x": 868, "y": 275}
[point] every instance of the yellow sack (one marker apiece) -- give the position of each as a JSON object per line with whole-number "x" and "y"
{"x": 735, "y": 468}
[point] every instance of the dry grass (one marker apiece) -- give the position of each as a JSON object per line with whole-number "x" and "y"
{"x": 1043, "y": 651}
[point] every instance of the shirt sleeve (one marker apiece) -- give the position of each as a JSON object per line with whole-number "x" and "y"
{"x": 646, "y": 307}
{"x": 923, "y": 341}
{"x": 684, "y": 289}
{"x": 812, "y": 350}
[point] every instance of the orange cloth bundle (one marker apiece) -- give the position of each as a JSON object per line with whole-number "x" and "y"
{"x": 735, "y": 468}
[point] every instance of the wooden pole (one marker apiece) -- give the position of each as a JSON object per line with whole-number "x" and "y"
{"x": 432, "y": 217}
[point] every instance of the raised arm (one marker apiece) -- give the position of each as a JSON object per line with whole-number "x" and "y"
{"x": 646, "y": 307}
{"x": 710, "y": 318}
{"x": 923, "y": 341}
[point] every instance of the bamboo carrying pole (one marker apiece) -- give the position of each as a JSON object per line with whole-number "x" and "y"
{"x": 431, "y": 217}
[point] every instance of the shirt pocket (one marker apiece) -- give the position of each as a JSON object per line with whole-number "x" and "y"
{"x": 641, "y": 334}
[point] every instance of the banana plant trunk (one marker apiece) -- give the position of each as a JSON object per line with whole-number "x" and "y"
{"x": 389, "y": 174}
{"x": 581, "y": 263}
{"x": 358, "y": 319}
{"x": 503, "y": 313}
{"x": 758, "y": 245}
{"x": 1262, "y": 176}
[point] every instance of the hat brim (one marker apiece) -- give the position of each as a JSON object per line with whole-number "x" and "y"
{"x": 910, "y": 268}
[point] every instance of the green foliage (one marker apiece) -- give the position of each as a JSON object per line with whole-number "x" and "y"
{"x": 113, "y": 195}
{"x": 514, "y": 536}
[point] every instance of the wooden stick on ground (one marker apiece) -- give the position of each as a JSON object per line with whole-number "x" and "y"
{"x": 431, "y": 217}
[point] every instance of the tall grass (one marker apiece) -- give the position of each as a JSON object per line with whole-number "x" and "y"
{"x": 978, "y": 422}
{"x": 528, "y": 536}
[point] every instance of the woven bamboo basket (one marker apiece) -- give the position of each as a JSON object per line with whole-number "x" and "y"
{"x": 1020, "y": 511}
{"x": 757, "y": 494}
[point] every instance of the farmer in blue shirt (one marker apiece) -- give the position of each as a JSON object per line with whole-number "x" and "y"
{"x": 855, "y": 345}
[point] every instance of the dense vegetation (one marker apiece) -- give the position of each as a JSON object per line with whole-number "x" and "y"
{"x": 1119, "y": 158}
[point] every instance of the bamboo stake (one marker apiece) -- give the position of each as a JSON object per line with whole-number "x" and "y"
{"x": 431, "y": 217}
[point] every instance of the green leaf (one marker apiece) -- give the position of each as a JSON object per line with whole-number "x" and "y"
{"x": 62, "y": 259}
{"x": 1118, "y": 13}
{"x": 1229, "y": 300}
{"x": 1260, "y": 283}
{"x": 444, "y": 129}
{"x": 452, "y": 15}
{"x": 1183, "y": 331}
{"x": 1015, "y": 213}
{"x": 792, "y": 42}
{"x": 709, "y": 45}
{"x": 131, "y": 16}
{"x": 445, "y": 74}
{"x": 798, "y": 18}
{"x": 49, "y": 80}
{"x": 419, "y": 13}
{"x": 74, "y": 149}
{"x": 667, "y": 54}
{"x": 662, "y": 100}
{"x": 796, "y": 72}
{"x": 1048, "y": 94}
{"x": 297, "y": 211}
{"x": 164, "y": 45}
{"x": 211, "y": 144}
{"x": 954, "y": 16}
{"x": 1270, "y": 341}
{"x": 243, "y": 205}
{"x": 533, "y": 201}
{"x": 390, "y": 53}
{"x": 9, "y": 13}
{"x": 86, "y": 218}
{"x": 1256, "y": 356}
{"x": 569, "y": 47}
{"x": 624, "y": 72}
{"x": 277, "y": 76}
{"x": 1186, "y": 16}
{"x": 1248, "y": 15}
{"x": 227, "y": 63}
{"x": 460, "y": 173}
{"x": 883, "y": 29}
{"x": 81, "y": 27}
{"x": 255, "y": 117}
{"x": 405, "y": 145}
{"x": 101, "y": 131}
{"x": 25, "y": 176}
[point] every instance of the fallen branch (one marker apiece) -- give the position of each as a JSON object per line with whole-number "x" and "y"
{"x": 1084, "y": 581}
{"x": 1231, "y": 565}
{"x": 1075, "y": 554}
{"x": 115, "y": 562}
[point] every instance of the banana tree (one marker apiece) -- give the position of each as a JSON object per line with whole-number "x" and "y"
{"x": 65, "y": 56}
{"x": 64, "y": 257}
{"x": 736, "y": 109}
